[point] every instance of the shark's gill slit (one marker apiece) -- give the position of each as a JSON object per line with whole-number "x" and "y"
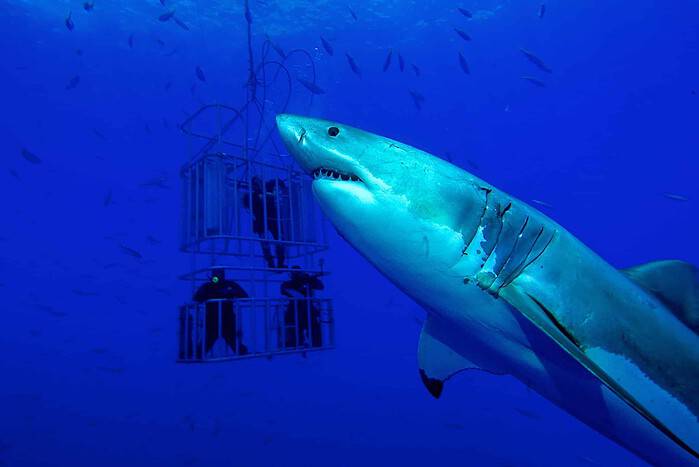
{"x": 514, "y": 247}
{"x": 520, "y": 267}
{"x": 504, "y": 211}
{"x": 553, "y": 234}
{"x": 490, "y": 248}
{"x": 480, "y": 222}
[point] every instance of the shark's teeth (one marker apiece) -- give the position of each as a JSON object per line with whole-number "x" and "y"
{"x": 333, "y": 174}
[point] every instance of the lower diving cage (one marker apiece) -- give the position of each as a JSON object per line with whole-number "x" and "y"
{"x": 225, "y": 329}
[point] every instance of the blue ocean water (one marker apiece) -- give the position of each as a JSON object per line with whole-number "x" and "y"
{"x": 91, "y": 153}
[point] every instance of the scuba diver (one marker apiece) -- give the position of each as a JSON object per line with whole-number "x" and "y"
{"x": 211, "y": 293}
{"x": 275, "y": 200}
{"x": 302, "y": 315}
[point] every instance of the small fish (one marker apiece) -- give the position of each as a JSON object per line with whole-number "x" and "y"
{"x": 33, "y": 158}
{"x": 160, "y": 42}
{"x": 473, "y": 164}
{"x": 354, "y": 15}
{"x": 157, "y": 182}
{"x": 147, "y": 129}
{"x": 277, "y": 49}
{"x": 528, "y": 413}
{"x": 535, "y": 81}
{"x": 130, "y": 252}
{"x": 327, "y": 46}
{"x": 416, "y": 70}
{"x": 162, "y": 2}
{"x": 387, "y": 62}
{"x": 542, "y": 203}
{"x": 180, "y": 23}
{"x": 465, "y": 12}
{"x": 464, "y": 64}
{"x": 43, "y": 307}
{"x": 131, "y": 41}
{"x": 353, "y": 65}
{"x": 69, "y": 21}
{"x": 675, "y": 197}
{"x": 401, "y": 63}
{"x": 99, "y": 134}
{"x": 418, "y": 99}
{"x": 168, "y": 85}
{"x": 73, "y": 83}
{"x": 107, "y": 199}
{"x": 152, "y": 240}
{"x": 14, "y": 173}
{"x": 79, "y": 52}
{"x": 200, "y": 74}
{"x": 535, "y": 60}
{"x": 162, "y": 290}
{"x": 542, "y": 10}
{"x": 166, "y": 16}
{"x": 119, "y": 299}
{"x": 462, "y": 34}
{"x": 88, "y": 6}
{"x": 314, "y": 88}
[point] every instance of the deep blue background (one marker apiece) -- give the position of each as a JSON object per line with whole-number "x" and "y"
{"x": 91, "y": 379}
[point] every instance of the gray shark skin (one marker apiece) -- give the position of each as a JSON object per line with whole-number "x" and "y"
{"x": 509, "y": 291}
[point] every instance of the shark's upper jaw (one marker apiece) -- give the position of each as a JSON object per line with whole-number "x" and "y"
{"x": 324, "y": 173}
{"x": 319, "y": 158}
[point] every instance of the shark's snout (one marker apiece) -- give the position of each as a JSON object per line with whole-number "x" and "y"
{"x": 289, "y": 128}
{"x": 293, "y": 133}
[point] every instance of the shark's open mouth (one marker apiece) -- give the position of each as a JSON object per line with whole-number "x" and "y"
{"x": 332, "y": 174}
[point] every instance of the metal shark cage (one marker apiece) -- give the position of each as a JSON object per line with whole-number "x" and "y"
{"x": 254, "y": 236}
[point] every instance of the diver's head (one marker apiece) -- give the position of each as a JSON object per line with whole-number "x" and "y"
{"x": 394, "y": 203}
{"x": 218, "y": 275}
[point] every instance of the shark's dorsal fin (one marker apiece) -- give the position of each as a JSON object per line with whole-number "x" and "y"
{"x": 438, "y": 361}
{"x": 675, "y": 284}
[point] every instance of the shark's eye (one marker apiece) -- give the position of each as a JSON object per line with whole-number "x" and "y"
{"x": 333, "y": 131}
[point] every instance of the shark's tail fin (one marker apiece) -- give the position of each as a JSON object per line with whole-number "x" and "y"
{"x": 675, "y": 284}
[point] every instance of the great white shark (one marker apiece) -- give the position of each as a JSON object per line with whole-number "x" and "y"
{"x": 509, "y": 291}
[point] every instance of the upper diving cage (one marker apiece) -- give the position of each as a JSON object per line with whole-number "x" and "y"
{"x": 255, "y": 237}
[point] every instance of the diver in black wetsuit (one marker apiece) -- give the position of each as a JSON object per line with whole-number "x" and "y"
{"x": 220, "y": 288}
{"x": 302, "y": 315}
{"x": 276, "y": 200}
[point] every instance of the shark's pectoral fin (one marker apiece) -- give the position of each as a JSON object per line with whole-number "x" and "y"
{"x": 547, "y": 321}
{"x": 437, "y": 359}
{"x": 675, "y": 284}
